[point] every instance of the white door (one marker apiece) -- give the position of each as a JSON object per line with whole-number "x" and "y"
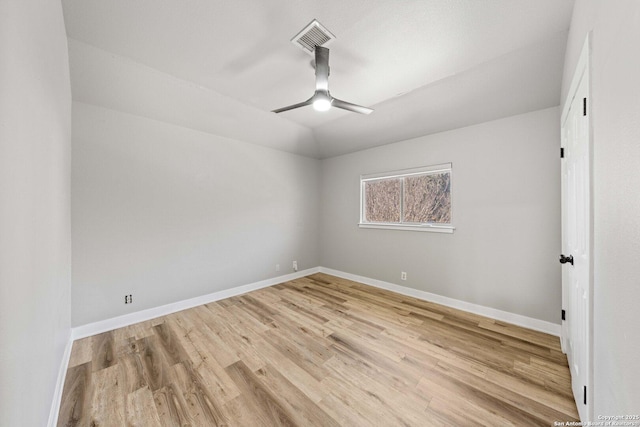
{"x": 576, "y": 239}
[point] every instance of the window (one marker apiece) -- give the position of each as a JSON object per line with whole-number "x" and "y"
{"x": 413, "y": 199}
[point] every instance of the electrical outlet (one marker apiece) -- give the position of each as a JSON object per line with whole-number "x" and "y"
{"x": 128, "y": 299}
{"x": 295, "y": 265}
{"x": 403, "y": 275}
{"x": 277, "y": 267}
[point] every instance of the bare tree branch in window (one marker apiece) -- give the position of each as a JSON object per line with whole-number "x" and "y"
{"x": 382, "y": 200}
{"x": 427, "y": 199}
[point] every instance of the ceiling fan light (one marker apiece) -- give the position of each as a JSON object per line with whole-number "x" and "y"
{"x": 322, "y": 104}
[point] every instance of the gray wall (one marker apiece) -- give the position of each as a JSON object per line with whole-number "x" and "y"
{"x": 615, "y": 103}
{"x": 35, "y": 240}
{"x": 168, "y": 213}
{"x": 506, "y": 210}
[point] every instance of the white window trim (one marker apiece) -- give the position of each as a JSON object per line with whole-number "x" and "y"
{"x": 433, "y": 228}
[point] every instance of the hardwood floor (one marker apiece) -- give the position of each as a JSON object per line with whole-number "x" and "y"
{"x": 319, "y": 351}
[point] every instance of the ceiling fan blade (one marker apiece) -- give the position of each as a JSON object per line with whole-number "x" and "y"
{"x": 338, "y": 103}
{"x": 294, "y": 106}
{"x": 322, "y": 68}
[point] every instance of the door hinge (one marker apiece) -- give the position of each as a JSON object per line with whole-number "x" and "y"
{"x": 562, "y": 152}
{"x": 584, "y": 400}
{"x": 564, "y": 315}
{"x": 584, "y": 106}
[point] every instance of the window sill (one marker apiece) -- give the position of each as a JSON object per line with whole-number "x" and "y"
{"x": 429, "y": 228}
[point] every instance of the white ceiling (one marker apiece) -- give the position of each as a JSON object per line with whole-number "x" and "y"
{"x": 220, "y": 66}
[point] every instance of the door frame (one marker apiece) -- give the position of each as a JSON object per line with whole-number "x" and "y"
{"x": 582, "y": 71}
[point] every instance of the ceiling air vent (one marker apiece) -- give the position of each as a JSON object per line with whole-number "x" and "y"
{"x": 314, "y": 34}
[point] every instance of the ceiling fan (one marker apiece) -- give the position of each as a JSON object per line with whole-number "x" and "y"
{"x": 322, "y": 99}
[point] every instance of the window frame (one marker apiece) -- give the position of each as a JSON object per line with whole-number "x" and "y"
{"x": 426, "y": 170}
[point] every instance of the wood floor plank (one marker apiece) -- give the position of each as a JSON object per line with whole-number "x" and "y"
{"x": 74, "y": 408}
{"x": 107, "y": 400}
{"x": 189, "y": 336}
{"x": 303, "y": 410}
{"x": 485, "y": 407}
{"x": 403, "y": 407}
{"x": 242, "y": 413}
{"x": 368, "y": 354}
{"x": 217, "y": 381}
{"x": 318, "y": 351}
{"x": 264, "y": 403}
{"x": 246, "y": 320}
{"x": 291, "y": 313}
{"x": 303, "y": 380}
{"x": 131, "y": 373}
{"x": 155, "y": 368}
{"x": 171, "y": 407}
{"x": 231, "y": 336}
{"x": 525, "y": 334}
{"x": 203, "y": 408}
{"x": 103, "y": 351}
{"x": 201, "y": 342}
{"x": 557, "y": 402}
{"x": 304, "y": 358}
{"x": 347, "y": 407}
{"x": 301, "y": 298}
{"x": 520, "y": 400}
{"x": 81, "y": 352}
{"x": 258, "y": 310}
{"x": 170, "y": 344}
{"x": 203, "y": 358}
{"x": 141, "y": 409}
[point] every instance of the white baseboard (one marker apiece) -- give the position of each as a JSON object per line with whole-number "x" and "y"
{"x": 62, "y": 375}
{"x": 504, "y": 316}
{"x": 151, "y": 313}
